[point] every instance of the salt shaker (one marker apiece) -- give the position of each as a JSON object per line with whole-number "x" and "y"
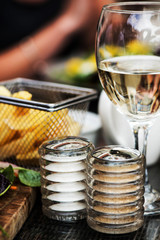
{"x": 63, "y": 177}
{"x": 115, "y": 189}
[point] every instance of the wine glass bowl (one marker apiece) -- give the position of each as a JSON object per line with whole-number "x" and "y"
{"x": 128, "y": 63}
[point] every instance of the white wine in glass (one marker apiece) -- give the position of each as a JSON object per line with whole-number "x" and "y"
{"x": 128, "y": 62}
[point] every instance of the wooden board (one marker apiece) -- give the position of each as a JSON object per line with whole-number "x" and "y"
{"x": 15, "y": 206}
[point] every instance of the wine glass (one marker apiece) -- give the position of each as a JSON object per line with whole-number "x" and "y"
{"x": 128, "y": 62}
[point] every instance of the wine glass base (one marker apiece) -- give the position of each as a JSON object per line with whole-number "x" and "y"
{"x": 152, "y": 201}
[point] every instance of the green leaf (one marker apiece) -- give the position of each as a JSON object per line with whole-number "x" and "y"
{"x": 29, "y": 177}
{"x": 9, "y": 173}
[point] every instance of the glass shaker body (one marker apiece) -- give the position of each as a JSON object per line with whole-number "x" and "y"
{"x": 63, "y": 177}
{"x": 115, "y": 189}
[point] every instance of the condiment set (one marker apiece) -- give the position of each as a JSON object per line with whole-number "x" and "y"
{"x": 105, "y": 185}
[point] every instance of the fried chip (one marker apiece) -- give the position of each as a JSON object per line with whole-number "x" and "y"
{"x": 22, "y": 130}
{"x": 22, "y": 95}
{"x": 4, "y": 91}
{"x": 29, "y": 120}
{"x": 28, "y": 156}
{"x": 6, "y": 134}
{"x": 18, "y": 146}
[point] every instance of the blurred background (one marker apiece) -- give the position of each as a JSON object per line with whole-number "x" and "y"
{"x": 49, "y": 39}
{"x": 54, "y": 41}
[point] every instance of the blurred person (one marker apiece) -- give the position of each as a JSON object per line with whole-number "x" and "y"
{"x": 33, "y": 31}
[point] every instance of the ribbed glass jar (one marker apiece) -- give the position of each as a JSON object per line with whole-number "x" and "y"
{"x": 115, "y": 189}
{"x": 63, "y": 177}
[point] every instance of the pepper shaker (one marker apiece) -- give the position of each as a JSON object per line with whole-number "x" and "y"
{"x": 115, "y": 189}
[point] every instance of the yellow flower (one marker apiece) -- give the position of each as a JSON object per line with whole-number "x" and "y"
{"x": 92, "y": 61}
{"x": 115, "y": 50}
{"x": 80, "y": 66}
{"x": 137, "y": 47}
{"x": 92, "y": 58}
{"x": 73, "y": 66}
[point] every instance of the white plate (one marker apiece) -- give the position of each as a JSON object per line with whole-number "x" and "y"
{"x": 118, "y": 131}
{"x": 91, "y": 127}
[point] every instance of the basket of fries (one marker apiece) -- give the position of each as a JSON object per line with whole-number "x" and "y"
{"x": 33, "y": 111}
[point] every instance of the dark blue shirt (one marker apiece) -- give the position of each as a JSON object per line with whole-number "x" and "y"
{"x": 19, "y": 20}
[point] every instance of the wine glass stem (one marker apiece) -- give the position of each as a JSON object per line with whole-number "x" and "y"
{"x": 141, "y": 135}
